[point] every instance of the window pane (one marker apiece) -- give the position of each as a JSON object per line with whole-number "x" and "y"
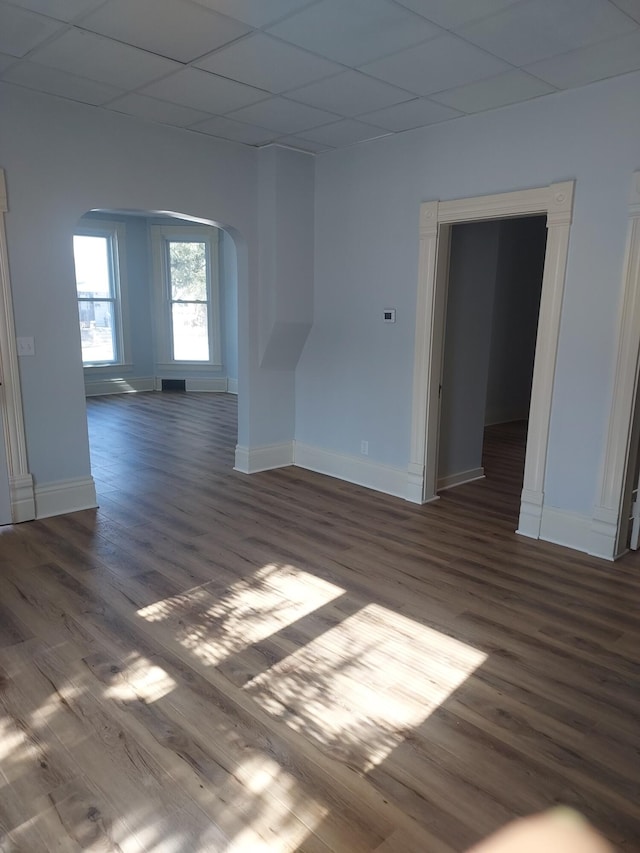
{"x": 188, "y": 270}
{"x": 93, "y": 270}
{"x": 96, "y": 331}
{"x": 190, "y": 324}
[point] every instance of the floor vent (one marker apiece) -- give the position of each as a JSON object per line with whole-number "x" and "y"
{"x": 174, "y": 384}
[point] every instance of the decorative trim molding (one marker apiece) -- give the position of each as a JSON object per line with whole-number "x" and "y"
{"x": 218, "y": 385}
{"x": 436, "y": 219}
{"x": 461, "y": 477}
{"x": 20, "y": 480}
{"x": 353, "y": 469}
{"x": 65, "y": 496}
{"x": 608, "y": 528}
{"x": 22, "y": 498}
{"x": 232, "y": 386}
{"x": 562, "y": 527}
{"x": 252, "y": 460}
{"x": 99, "y": 387}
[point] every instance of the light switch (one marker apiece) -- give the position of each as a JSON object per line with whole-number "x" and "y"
{"x": 26, "y": 346}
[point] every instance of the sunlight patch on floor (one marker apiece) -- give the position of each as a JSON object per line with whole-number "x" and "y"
{"x": 364, "y": 685}
{"x": 213, "y": 623}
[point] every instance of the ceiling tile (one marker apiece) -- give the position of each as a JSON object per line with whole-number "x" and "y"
{"x": 236, "y": 131}
{"x": 283, "y": 116}
{"x": 21, "y": 30}
{"x": 257, "y": 13}
{"x": 411, "y": 114}
{"x": 439, "y": 64}
{"x": 495, "y": 92}
{"x": 202, "y": 91}
{"x": 6, "y": 60}
{"x": 302, "y": 144}
{"x": 104, "y": 60}
{"x": 631, "y": 7}
{"x": 588, "y": 64}
{"x": 345, "y": 132}
{"x": 350, "y": 94}
{"x": 454, "y": 13}
{"x": 262, "y": 61}
{"x": 537, "y": 29}
{"x": 155, "y": 110}
{"x": 181, "y": 30}
{"x": 63, "y": 10}
{"x": 355, "y": 31}
{"x": 55, "y": 82}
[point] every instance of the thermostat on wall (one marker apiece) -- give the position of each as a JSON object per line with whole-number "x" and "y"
{"x": 389, "y": 315}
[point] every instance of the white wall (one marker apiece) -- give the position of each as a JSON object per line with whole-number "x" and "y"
{"x": 62, "y": 159}
{"x": 354, "y": 378}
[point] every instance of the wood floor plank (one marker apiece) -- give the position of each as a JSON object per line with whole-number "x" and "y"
{"x": 288, "y": 662}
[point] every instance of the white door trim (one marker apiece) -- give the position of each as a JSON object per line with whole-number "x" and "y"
{"x": 20, "y": 480}
{"x": 436, "y": 218}
{"x": 607, "y": 525}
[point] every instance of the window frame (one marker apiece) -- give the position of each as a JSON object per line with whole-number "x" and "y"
{"x": 161, "y": 236}
{"x": 114, "y": 232}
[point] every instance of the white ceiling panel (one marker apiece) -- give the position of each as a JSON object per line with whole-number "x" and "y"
{"x": 303, "y": 144}
{"x": 495, "y": 92}
{"x": 454, "y": 13}
{"x": 350, "y": 94}
{"x": 104, "y": 60}
{"x": 21, "y": 30}
{"x": 154, "y": 110}
{"x": 262, "y": 61}
{"x": 62, "y": 10}
{"x": 257, "y": 13}
{"x": 345, "y": 132}
{"x": 283, "y": 116}
{"x": 56, "y": 82}
{"x": 631, "y": 7}
{"x": 236, "y": 131}
{"x": 411, "y": 114}
{"x": 181, "y": 30}
{"x": 596, "y": 62}
{"x": 355, "y": 31}
{"x": 537, "y": 29}
{"x": 439, "y": 64}
{"x": 202, "y": 91}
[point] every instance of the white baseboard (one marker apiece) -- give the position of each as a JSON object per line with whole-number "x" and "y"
{"x": 216, "y": 385}
{"x": 461, "y": 477}
{"x": 603, "y": 535}
{"x": 562, "y": 527}
{"x": 23, "y": 506}
{"x": 232, "y": 386}
{"x": 251, "y": 460}
{"x": 353, "y": 469}
{"x": 100, "y": 387}
{"x": 65, "y": 496}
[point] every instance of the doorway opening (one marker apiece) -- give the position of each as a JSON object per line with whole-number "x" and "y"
{"x": 555, "y": 203}
{"x": 157, "y": 298}
{"x": 491, "y": 319}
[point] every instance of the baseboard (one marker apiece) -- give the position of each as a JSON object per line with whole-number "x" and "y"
{"x": 23, "y": 505}
{"x": 232, "y": 386}
{"x": 100, "y": 387}
{"x": 461, "y": 477}
{"x": 353, "y": 469}
{"x": 217, "y": 385}
{"x": 562, "y": 527}
{"x": 252, "y": 460}
{"x": 603, "y": 535}
{"x": 65, "y": 496}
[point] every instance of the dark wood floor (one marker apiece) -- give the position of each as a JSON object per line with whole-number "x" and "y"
{"x": 216, "y": 662}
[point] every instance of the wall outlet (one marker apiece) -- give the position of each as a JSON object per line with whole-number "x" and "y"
{"x": 364, "y": 448}
{"x": 25, "y": 346}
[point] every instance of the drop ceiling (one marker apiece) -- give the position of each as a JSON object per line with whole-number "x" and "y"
{"x": 312, "y": 74}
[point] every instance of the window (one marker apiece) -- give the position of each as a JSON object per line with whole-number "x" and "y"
{"x": 99, "y": 289}
{"x": 185, "y": 262}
